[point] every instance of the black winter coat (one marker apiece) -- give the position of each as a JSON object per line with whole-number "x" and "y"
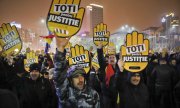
{"x": 37, "y": 94}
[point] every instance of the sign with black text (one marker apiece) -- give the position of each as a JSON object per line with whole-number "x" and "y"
{"x": 101, "y": 34}
{"x": 65, "y": 17}
{"x": 135, "y": 53}
{"x": 31, "y": 58}
{"x": 10, "y": 40}
{"x": 80, "y": 57}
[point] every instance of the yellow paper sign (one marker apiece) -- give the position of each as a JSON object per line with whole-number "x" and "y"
{"x": 111, "y": 49}
{"x": 101, "y": 34}
{"x": 95, "y": 61}
{"x": 10, "y": 40}
{"x": 65, "y": 17}
{"x": 30, "y": 59}
{"x": 135, "y": 53}
{"x": 80, "y": 57}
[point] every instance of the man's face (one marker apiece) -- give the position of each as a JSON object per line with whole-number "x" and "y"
{"x": 46, "y": 76}
{"x": 173, "y": 62}
{"x": 162, "y": 62}
{"x": 78, "y": 82}
{"x": 112, "y": 59}
{"x": 135, "y": 79}
{"x": 28, "y": 50}
{"x": 34, "y": 74}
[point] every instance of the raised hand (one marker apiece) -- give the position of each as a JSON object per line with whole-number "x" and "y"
{"x": 9, "y": 39}
{"x": 65, "y": 17}
{"x": 135, "y": 52}
{"x": 61, "y": 43}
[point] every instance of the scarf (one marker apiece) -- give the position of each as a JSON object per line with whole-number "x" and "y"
{"x": 109, "y": 74}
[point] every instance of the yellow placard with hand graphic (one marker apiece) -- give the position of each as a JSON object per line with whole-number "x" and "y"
{"x": 80, "y": 57}
{"x": 31, "y": 58}
{"x": 65, "y": 17}
{"x": 101, "y": 34}
{"x": 10, "y": 40}
{"x": 135, "y": 53}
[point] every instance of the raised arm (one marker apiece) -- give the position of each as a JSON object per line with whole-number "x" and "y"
{"x": 60, "y": 64}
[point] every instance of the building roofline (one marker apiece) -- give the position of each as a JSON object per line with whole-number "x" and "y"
{"x": 96, "y": 5}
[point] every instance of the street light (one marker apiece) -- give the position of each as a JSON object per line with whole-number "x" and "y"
{"x": 163, "y": 20}
{"x": 132, "y": 28}
{"x": 126, "y": 29}
{"x": 126, "y": 26}
{"x": 122, "y": 28}
{"x": 42, "y": 21}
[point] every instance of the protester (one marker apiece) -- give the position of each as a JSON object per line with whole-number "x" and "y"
{"x": 133, "y": 92}
{"x": 163, "y": 81}
{"x": 37, "y": 90}
{"x": 106, "y": 76}
{"x": 70, "y": 82}
{"x": 8, "y": 99}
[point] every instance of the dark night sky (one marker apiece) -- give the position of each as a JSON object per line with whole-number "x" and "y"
{"x": 138, "y": 13}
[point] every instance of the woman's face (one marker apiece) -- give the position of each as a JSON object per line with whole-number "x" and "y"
{"x": 135, "y": 79}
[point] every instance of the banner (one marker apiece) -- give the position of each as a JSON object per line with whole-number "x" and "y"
{"x": 65, "y": 17}
{"x": 10, "y": 40}
{"x": 135, "y": 53}
{"x": 101, "y": 34}
{"x": 31, "y": 58}
{"x": 80, "y": 57}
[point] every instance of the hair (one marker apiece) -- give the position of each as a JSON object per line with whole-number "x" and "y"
{"x": 34, "y": 66}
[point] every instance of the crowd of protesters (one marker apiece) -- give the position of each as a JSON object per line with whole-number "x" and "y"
{"x": 52, "y": 83}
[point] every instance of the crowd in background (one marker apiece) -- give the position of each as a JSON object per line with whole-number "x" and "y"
{"x": 158, "y": 86}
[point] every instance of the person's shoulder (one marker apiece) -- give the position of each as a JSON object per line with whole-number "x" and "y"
{"x": 8, "y": 99}
{"x": 4, "y": 91}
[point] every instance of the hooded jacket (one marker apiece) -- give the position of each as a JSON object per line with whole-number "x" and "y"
{"x": 132, "y": 96}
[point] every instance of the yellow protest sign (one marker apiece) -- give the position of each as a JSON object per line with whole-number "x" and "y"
{"x": 30, "y": 59}
{"x": 10, "y": 40}
{"x": 67, "y": 47}
{"x": 135, "y": 53}
{"x": 80, "y": 57}
{"x": 111, "y": 50}
{"x": 65, "y": 17}
{"x": 105, "y": 50}
{"x": 101, "y": 34}
{"x": 95, "y": 61}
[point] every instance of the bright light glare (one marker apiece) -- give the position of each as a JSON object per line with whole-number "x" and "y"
{"x": 16, "y": 50}
{"x": 42, "y": 21}
{"x": 163, "y": 19}
{"x": 96, "y": 5}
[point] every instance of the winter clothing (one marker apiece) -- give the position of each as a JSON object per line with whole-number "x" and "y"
{"x": 132, "y": 96}
{"x": 163, "y": 81}
{"x": 68, "y": 95}
{"x": 8, "y": 99}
